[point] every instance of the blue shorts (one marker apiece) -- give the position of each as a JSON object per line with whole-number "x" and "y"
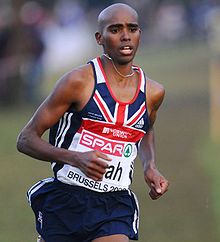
{"x": 75, "y": 214}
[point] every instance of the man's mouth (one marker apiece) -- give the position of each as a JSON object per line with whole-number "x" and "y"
{"x": 126, "y": 50}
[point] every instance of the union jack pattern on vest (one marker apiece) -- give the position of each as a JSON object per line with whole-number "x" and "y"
{"x": 105, "y": 124}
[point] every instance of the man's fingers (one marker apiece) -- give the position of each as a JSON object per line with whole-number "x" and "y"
{"x": 157, "y": 187}
{"x": 96, "y": 176}
{"x": 164, "y": 186}
{"x": 156, "y": 190}
{"x": 96, "y": 173}
{"x": 102, "y": 160}
{"x": 154, "y": 195}
{"x": 103, "y": 156}
{"x": 98, "y": 167}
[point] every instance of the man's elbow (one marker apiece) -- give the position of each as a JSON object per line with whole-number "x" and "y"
{"x": 21, "y": 142}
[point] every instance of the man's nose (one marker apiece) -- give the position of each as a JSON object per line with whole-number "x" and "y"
{"x": 125, "y": 35}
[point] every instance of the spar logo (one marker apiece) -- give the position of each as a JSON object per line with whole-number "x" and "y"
{"x": 104, "y": 145}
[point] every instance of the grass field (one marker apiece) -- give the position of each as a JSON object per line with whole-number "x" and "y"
{"x": 189, "y": 212}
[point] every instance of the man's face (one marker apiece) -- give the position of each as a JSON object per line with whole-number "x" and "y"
{"x": 120, "y": 36}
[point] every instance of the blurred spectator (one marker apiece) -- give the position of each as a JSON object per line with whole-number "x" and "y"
{"x": 170, "y": 22}
{"x": 197, "y": 13}
{"x": 21, "y": 48}
{"x": 66, "y": 34}
{"x": 33, "y": 46}
{"x": 9, "y": 60}
{"x": 68, "y": 12}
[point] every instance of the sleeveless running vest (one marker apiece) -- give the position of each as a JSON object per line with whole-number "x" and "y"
{"x": 107, "y": 125}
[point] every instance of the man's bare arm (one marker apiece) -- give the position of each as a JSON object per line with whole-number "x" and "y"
{"x": 157, "y": 183}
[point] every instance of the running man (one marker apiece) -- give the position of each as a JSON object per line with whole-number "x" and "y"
{"x": 100, "y": 116}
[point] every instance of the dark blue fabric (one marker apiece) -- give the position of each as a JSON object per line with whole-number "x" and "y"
{"x": 75, "y": 214}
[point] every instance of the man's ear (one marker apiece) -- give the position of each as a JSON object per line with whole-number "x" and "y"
{"x": 98, "y": 37}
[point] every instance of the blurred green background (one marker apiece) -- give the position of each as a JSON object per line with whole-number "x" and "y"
{"x": 186, "y": 152}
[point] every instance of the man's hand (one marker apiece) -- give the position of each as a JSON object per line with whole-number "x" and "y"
{"x": 157, "y": 183}
{"x": 93, "y": 164}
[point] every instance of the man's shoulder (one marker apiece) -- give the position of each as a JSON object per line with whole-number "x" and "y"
{"x": 78, "y": 78}
{"x": 81, "y": 74}
{"x": 155, "y": 87}
{"x": 155, "y": 93}
{"x": 76, "y": 85}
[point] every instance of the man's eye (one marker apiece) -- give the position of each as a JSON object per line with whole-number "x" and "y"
{"x": 133, "y": 29}
{"x": 114, "y": 30}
